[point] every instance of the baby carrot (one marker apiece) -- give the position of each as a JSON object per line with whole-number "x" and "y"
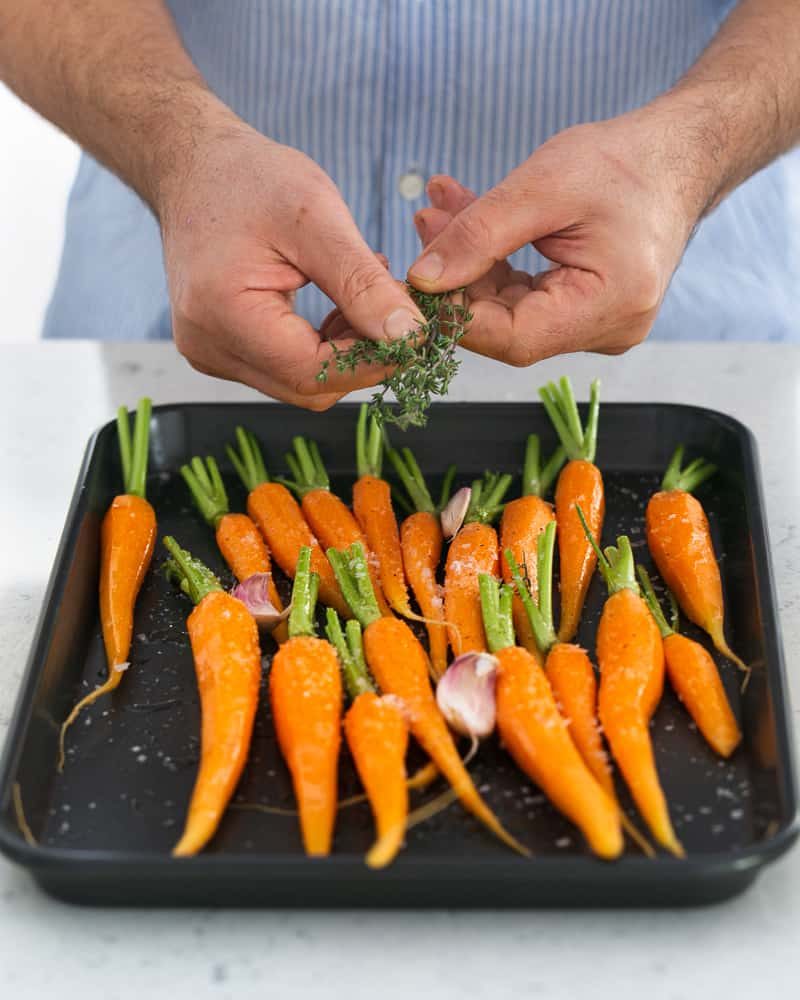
{"x": 631, "y": 657}
{"x": 421, "y": 543}
{"x": 400, "y": 666}
{"x": 328, "y": 517}
{"x": 580, "y": 483}
{"x": 127, "y": 538}
{"x": 227, "y": 661}
{"x": 694, "y": 675}
{"x": 377, "y": 735}
{"x": 522, "y": 522}
{"x": 305, "y": 689}
{"x": 536, "y": 735}
{"x": 280, "y": 519}
{"x": 473, "y": 551}
{"x": 238, "y": 539}
{"x": 679, "y": 540}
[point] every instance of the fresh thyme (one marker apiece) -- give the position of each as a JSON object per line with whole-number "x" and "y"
{"x": 424, "y": 361}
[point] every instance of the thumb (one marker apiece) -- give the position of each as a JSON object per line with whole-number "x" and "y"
{"x": 498, "y": 223}
{"x": 375, "y": 305}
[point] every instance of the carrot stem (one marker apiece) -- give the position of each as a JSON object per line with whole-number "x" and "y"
{"x": 349, "y": 644}
{"x": 307, "y": 467}
{"x": 652, "y": 602}
{"x": 579, "y": 442}
{"x": 616, "y": 563}
{"x": 496, "y": 604}
{"x": 207, "y": 489}
{"x": 688, "y": 478}
{"x": 193, "y": 577}
{"x": 447, "y": 487}
{"x": 133, "y": 454}
{"x": 304, "y": 597}
{"x": 369, "y": 444}
{"x": 352, "y": 575}
{"x": 536, "y": 481}
{"x": 487, "y": 495}
{"x": 539, "y": 612}
{"x": 410, "y": 475}
{"x": 248, "y": 461}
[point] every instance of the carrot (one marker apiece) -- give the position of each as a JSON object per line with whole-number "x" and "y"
{"x": 631, "y": 657}
{"x": 580, "y": 483}
{"x": 694, "y": 675}
{"x": 328, "y": 517}
{"x": 536, "y": 735}
{"x": 227, "y": 661}
{"x": 127, "y": 539}
{"x": 421, "y": 543}
{"x": 473, "y": 551}
{"x": 305, "y": 689}
{"x": 377, "y": 735}
{"x": 522, "y": 522}
{"x": 280, "y": 519}
{"x": 238, "y": 539}
{"x": 679, "y": 540}
{"x": 400, "y": 666}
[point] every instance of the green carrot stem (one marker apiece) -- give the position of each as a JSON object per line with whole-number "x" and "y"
{"x": 651, "y": 600}
{"x": 486, "y": 499}
{"x": 410, "y": 475}
{"x": 352, "y": 574}
{"x": 689, "y": 478}
{"x": 615, "y": 563}
{"x": 193, "y": 577}
{"x": 307, "y": 467}
{"x": 545, "y": 547}
{"x": 133, "y": 453}
{"x": 543, "y": 630}
{"x": 207, "y": 489}
{"x": 304, "y": 597}
{"x": 496, "y": 609}
{"x": 559, "y": 402}
{"x": 350, "y": 649}
{"x": 369, "y": 444}
{"x": 447, "y": 487}
{"x": 536, "y": 481}
{"x": 248, "y": 461}
{"x": 125, "y": 447}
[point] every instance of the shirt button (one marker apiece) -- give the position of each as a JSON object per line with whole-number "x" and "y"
{"x": 411, "y": 185}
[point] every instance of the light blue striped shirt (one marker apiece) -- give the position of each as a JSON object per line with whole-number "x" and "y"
{"x": 377, "y": 90}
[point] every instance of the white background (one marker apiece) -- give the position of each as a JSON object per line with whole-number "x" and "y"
{"x": 37, "y": 165}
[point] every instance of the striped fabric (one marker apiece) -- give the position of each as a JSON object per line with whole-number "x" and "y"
{"x": 375, "y": 90}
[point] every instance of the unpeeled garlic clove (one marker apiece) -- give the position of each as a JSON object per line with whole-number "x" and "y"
{"x": 466, "y": 694}
{"x": 453, "y": 514}
{"x": 254, "y": 594}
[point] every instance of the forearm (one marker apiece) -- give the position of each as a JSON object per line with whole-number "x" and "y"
{"x": 738, "y": 107}
{"x": 113, "y": 75}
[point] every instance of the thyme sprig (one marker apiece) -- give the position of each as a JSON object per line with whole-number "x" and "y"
{"x": 424, "y": 360}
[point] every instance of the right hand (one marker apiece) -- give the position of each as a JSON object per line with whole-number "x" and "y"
{"x": 246, "y": 224}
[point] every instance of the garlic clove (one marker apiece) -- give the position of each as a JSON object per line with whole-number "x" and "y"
{"x": 453, "y": 514}
{"x": 466, "y": 694}
{"x": 254, "y": 594}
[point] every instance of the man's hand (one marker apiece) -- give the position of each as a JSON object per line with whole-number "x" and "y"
{"x": 608, "y": 203}
{"x": 248, "y": 224}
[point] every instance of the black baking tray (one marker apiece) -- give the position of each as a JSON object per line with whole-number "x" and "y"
{"x": 104, "y": 828}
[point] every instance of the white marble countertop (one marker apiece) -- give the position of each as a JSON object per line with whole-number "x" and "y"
{"x": 51, "y": 397}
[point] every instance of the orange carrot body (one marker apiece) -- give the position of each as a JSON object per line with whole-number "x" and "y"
{"x": 631, "y": 656}
{"x": 473, "y": 551}
{"x": 377, "y": 735}
{"x": 335, "y": 526}
{"x": 538, "y": 739}
{"x": 227, "y": 661}
{"x": 579, "y": 483}
{"x": 372, "y": 506}
{"x": 421, "y": 543}
{"x": 679, "y": 540}
{"x": 127, "y": 537}
{"x": 572, "y": 679}
{"x": 306, "y": 695}
{"x": 522, "y": 522}
{"x": 400, "y": 666}
{"x": 694, "y": 675}
{"x": 280, "y": 520}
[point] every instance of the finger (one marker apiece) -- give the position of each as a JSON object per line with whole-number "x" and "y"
{"x": 336, "y": 258}
{"x": 449, "y": 195}
{"x": 489, "y": 229}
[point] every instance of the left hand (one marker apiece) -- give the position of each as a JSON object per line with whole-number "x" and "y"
{"x": 612, "y": 204}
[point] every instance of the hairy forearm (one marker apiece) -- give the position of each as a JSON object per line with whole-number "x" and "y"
{"x": 738, "y": 107}
{"x": 113, "y": 75}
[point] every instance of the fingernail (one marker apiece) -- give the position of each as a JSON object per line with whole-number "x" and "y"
{"x": 419, "y": 225}
{"x": 435, "y": 192}
{"x": 429, "y": 267}
{"x": 399, "y": 323}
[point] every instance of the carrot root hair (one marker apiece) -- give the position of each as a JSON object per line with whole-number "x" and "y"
{"x": 105, "y": 688}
